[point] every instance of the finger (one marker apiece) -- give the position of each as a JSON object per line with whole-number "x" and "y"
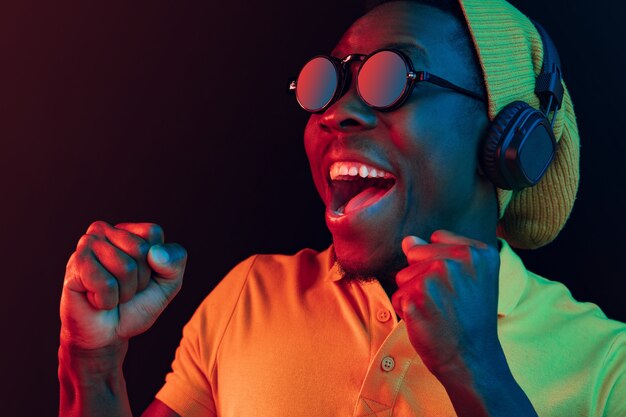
{"x": 86, "y": 275}
{"x": 150, "y": 232}
{"x": 405, "y": 302}
{"x": 123, "y": 267}
{"x": 167, "y": 261}
{"x": 448, "y": 237}
{"x": 130, "y": 243}
{"x": 415, "y": 274}
{"x": 424, "y": 299}
{"x": 410, "y": 241}
{"x": 421, "y": 253}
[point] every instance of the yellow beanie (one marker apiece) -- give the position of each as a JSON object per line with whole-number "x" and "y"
{"x": 510, "y": 52}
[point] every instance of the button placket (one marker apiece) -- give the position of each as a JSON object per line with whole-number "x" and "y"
{"x": 385, "y": 375}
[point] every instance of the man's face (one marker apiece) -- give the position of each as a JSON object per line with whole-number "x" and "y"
{"x": 429, "y": 146}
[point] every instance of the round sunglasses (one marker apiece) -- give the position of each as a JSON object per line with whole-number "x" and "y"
{"x": 384, "y": 80}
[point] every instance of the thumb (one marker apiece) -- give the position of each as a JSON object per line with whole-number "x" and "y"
{"x": 167, "y": 261}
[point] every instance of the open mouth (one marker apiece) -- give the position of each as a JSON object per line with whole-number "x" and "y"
{"x": 355, "y": 185}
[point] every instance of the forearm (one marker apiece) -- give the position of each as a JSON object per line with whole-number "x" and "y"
{"x": 487, "y": 391}
{"x": 92, "y": 382}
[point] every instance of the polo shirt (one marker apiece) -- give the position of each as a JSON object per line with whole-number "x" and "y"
{"x": 285, "y": 335}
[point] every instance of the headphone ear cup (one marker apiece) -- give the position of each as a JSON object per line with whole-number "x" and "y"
{"x": 493, "y": 143}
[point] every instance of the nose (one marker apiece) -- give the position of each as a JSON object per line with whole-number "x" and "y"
{"x": 349, "y": 113}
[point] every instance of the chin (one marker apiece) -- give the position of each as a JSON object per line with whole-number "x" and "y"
{"x": 363, "y": 261}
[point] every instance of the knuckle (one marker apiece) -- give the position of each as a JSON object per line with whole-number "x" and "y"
{"x": 126, "y": 271}
{"x": 155, "y": 230}
{"x": 440, "y": 266}
{"x": 130, "y": 268}
{"x": 97, "y": 227}
{"x": 109, "y": 287}
{"x": 429, "y": 282}
{"x": 81, "y": 258}
{"x": 143, "y": 248}
{"x": 436, "y": 234}
{"x": 401, "y": 276}
{"x": 86, "y": 240}
{"x": 71, "y": 262}
{"x": 467, "y": 252}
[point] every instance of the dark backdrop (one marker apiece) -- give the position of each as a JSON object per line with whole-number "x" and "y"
{"x": 174, "y": 112}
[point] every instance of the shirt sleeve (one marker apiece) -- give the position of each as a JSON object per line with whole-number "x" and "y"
{"x": 189, "y": 388}
{"x": 613, "y": 383}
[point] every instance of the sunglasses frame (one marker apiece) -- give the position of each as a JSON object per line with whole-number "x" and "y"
{"x": 413, "y": 77}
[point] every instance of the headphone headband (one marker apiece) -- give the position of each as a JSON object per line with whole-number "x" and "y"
{"x": 548, "y": 86}
{"x": 520, "y": 144}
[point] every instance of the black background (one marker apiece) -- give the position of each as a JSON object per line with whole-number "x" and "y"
{"x": 174, "y": 112}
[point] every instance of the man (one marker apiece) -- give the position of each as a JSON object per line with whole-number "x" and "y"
{"x": 417, "y": 308}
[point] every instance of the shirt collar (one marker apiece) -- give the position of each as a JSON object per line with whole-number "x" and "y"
{"x": 512, "y": 279}
{"x": 512, "y": 276}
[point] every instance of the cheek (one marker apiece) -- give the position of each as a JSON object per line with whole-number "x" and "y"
{"x": 435, "y": 139}
{"x": 440, "y": 156}
{"x": 311, "y": 144}
{"x": 313, "y": 147}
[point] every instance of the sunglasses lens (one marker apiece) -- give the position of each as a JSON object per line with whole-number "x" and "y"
{"x": 316, "y": 84}
{"x": 382, "y": 79}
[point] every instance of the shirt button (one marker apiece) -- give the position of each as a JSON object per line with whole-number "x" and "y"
{"x": 383, "y": 315}
{"x": 388, "y": 363}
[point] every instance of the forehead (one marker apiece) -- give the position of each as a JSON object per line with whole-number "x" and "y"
{"x": 425, "y": 33}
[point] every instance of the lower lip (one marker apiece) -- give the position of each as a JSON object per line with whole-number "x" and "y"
{"x": 366, "y": 210}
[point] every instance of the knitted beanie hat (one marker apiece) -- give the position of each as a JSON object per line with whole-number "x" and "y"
{"x": 511, "y": 54}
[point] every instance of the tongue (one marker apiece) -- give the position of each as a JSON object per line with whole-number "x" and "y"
{"x": 365, "y": 198}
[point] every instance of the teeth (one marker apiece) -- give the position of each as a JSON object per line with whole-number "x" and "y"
{"x": 353, "y": 169}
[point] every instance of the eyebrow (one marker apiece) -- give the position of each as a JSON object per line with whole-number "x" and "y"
{"x": 414, "y": 50}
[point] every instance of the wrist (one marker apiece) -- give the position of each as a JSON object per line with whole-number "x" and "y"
{"x": 92, "y": 381}
{"x": 484, "y": 387}
{"x": 85, "y": 366}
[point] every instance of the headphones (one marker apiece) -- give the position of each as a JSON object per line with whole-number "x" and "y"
{"x": 520, "y": 143}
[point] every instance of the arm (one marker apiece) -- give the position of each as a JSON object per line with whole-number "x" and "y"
{"x": 158, "y": 409}
{"x": 448, "y": 297}
{"x": 117, "y": 283}
{"x": 92, "y": 384}
{"x": 489, "y": 389}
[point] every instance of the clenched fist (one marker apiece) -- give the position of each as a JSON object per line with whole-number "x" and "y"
{"x": 448, "y": 297}
{"x": 117, "y": 282}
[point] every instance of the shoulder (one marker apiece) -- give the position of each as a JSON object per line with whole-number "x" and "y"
{"x": 553, "y": 341}
{"x": 550, "y": 312}
{"x": 305, "y": 265}
{"x": 547, "y": 306}
{"x": 250, "y": 286}
{"x": 554, "y": 300}
{"x": 580, "y": 328}
{"x": 255, "y": 276}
